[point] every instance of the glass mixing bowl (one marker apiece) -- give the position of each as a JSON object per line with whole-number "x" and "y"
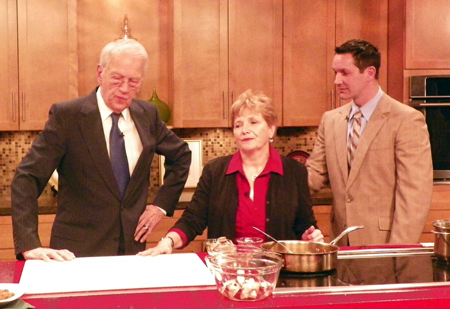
{"x": 246, "y": 277}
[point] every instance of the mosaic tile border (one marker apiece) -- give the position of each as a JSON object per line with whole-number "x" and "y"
{"x": 216, "y": 142}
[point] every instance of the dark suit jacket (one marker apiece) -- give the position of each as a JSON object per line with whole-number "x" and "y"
{"x": 90, "y": 208}
{"x": 215, "y": 203}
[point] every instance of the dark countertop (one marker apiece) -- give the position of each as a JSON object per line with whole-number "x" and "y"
{"x": 48, "y": 203}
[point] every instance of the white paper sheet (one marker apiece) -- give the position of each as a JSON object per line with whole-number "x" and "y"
{"x": 114, "y": 273}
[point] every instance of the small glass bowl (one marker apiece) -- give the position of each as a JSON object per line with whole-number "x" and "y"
{"x": 239, "y": 249}
{"x": 246, "y": 277}
{"x": 212, "y": 243}
{"x": 250, "y": 241}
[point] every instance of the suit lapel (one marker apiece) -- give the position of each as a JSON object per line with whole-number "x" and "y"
{"x": 340, "y": 138}
{"x": 92, "y": 130}
{"x": 378, "y": 119}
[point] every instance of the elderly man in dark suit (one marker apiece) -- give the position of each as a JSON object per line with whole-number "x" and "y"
{"x": 101, "y": 211}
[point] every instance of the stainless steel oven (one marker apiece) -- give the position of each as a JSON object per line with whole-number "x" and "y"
{"x": 431, "y": 95}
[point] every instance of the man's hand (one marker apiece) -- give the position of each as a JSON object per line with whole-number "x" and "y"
{"x": 47, "y": 254}
{"x": 147, "y": 222}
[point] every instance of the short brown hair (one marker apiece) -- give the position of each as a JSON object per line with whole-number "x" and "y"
{"x": 364, "y": 54}
{"x": 256, "y": 101}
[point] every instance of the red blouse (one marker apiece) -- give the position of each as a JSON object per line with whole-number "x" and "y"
{"x": 253, "y": 212}
{"x": 250, "y": 212}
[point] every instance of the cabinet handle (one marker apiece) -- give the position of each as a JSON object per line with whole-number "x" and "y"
{"x": 13, "y": 103}
{"x": 23, "y": 106}
{"x": 223, "y": 105}
{"x": 332, "y": 100}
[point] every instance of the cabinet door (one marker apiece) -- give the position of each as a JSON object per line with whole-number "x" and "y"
{"x": 255, "y": 48}
{"x": 308, "y": 50}
{"x": 200, "y": 64}
{"x": 427, "y": 34}
{"x": 9, "y": 117}
{"x": 47, "y": 58}
{"x": 366, "y": 20}
{"x": 221, "y": 49}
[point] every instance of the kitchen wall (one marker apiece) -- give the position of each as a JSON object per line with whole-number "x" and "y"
{"x": 215, "y": 143}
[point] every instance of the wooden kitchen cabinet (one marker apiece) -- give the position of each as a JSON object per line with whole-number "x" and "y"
{"x": 197, "y": 245}
{"x": 38, "y": 60}
{"x": 220, "y": 49}
{"x": 46, "y": 223}
{"x": 6, "y": 235}
{"x": 308, "y": 50}
{"x": 440, "y": 210}
{"x": 308, "y": 43}
{"x": 427, "y": 44}
{"x": 322, "y": 214}
{"x": 367, "y": 20}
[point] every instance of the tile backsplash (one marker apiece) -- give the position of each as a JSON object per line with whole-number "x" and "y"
{"x": 216, "y": 142}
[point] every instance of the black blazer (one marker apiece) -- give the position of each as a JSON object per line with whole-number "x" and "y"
{"x": 215, "y": 202}
{"x": 90, "y": 208}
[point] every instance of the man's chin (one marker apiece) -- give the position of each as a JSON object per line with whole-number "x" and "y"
{"x": 344, "y": 96}
{"x": 120, "y": 105}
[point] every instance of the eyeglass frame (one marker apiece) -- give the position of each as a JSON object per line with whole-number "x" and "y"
{"x": 117, "y": 80}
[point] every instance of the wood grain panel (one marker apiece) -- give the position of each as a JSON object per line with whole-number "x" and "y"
{"x": 427, "y": 31}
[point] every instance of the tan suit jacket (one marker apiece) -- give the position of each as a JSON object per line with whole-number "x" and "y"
{"x": 389, "y": 187}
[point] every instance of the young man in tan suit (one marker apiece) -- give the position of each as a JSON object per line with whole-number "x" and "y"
{"x": 380, "y": 172}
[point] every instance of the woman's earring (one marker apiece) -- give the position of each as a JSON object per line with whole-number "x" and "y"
{"x": 271, "y": 140}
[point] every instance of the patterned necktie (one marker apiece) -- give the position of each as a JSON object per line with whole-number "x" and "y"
{"x": 353, "y": 137}
{"x": 118, "y": 155}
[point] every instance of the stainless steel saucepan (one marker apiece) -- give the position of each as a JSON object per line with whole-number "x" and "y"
{"x": 308, "y": 256}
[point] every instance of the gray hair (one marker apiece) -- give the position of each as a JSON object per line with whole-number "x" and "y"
{"x": 120, "y": 47}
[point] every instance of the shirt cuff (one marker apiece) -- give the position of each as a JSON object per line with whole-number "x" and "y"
{"x": 182, "y": 236}
{"x": 163, "y": 211}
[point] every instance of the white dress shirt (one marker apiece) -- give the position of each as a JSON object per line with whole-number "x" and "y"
{"x": 133, "y": 144}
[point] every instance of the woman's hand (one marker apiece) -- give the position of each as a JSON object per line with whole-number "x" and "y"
{"x": 164, "y": 246}
{"x": 312, "y": 234}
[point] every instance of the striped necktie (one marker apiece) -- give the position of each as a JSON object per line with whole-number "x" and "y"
{"x": 118, "y": 155}
{"x": 353, "y": 137}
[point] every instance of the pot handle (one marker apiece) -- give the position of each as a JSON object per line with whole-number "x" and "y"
{"x": 345, "y": 232}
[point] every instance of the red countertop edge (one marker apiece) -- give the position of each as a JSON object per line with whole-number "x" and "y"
{"x": 207, "y": 297}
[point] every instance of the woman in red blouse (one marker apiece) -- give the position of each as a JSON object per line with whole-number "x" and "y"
{"x": 255, "y": 187}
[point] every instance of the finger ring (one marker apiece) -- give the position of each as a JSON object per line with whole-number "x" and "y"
{"x": 146, "y": 227}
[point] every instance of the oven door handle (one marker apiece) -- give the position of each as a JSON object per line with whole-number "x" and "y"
{"x": 430, "y": 104}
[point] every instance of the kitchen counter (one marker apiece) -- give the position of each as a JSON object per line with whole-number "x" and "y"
{"x": 48, "y": 203}
{"x": 208, "y": 297}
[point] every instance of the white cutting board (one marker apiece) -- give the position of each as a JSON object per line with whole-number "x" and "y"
{"x": 115, "y": 273}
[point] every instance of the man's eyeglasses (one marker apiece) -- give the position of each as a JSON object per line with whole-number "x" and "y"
{"x": 117, "y": 81}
